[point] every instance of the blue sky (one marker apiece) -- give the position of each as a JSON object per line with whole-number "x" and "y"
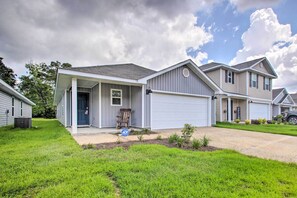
{"x": 225, "y": 19}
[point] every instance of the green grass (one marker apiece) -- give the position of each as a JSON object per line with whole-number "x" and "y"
{"x": 265, "y": 128}
{"x": 46, "y": 162}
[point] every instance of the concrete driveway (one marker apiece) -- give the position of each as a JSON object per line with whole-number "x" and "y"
{"x": 263, "y": 145}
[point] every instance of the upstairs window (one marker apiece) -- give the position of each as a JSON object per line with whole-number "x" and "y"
{"x": 116, "y": 97}
{"x": 266, "y": 84}
{"x": 12, "y": 106}
{"x": 229, "y": 76}
{"x": 253, "y": 80}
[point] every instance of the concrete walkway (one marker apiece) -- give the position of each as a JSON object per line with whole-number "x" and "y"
{"x": 263, "y": 145}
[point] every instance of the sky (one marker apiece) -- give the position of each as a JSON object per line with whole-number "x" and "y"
{"x": 151, "y": 33}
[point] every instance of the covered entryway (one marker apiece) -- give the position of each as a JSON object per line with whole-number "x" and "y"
{"x": 173, "y": 111}
{"x": 83, "y": 115}
{"x": 259, "y": 110}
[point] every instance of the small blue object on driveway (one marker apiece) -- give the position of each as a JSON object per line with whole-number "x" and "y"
{"x": 125, "y": 132}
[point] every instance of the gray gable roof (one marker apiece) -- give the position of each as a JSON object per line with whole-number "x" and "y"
{"x": 209, "y": 65}
{"x": 294, "y": 97}
{"x": 127, "y": 71}
{"x": 276, "y": 92}
{"x": 247, "y": 64}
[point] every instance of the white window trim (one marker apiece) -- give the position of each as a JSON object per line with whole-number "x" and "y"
{"x": 267, "y": 83}
{"x": 254, "y": 80}
{"x": 116, "y": 97}
{"x": 21, "y": 109}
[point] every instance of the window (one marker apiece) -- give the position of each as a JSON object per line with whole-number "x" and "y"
{"x": 254, "y": 80}
{"x": 266, "y": 83}
{"x": 229, "y": 77}
{"x": 116, "y": 97}
{"x": 12, "y": 106}
{"x": 186, "y": 72}
{"x": 21, "y": 108}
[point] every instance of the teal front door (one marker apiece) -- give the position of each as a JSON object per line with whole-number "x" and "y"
{"x": 83, "y": 109}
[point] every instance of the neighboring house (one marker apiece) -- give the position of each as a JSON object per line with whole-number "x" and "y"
{"x": 13, "y": 104}
{"x": 92, "y": 96}
{"x": 294, "y": 97}
{"x": 281, "y": 101}
{"x": 247, "y": 89}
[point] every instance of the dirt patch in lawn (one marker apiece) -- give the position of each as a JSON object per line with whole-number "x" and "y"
{"x": 164, "y": 142}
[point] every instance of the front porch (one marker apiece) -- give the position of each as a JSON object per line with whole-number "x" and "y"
{"x": 89, "y": 106}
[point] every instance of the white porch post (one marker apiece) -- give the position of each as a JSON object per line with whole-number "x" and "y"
{"x": 74, "y": 105}
{"x": 100, "y": 106}
{"x": 221, "y": 111}
{"x": 229, "y": 109}
{"x": 247, "y": 109}
{"x": 142, "y": 105}
{"x": 279, "y": 109}
{"x": 65, "y": 107}
{"x": 215, "y": 110}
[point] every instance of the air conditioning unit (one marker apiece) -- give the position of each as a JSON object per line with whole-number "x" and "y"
{"x": 22, "y": 122}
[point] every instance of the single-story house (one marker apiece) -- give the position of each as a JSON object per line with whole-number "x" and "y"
{"x": 169, "y": 98}
{"x": 281, "y": 101}
{"x": 13, "y": 104}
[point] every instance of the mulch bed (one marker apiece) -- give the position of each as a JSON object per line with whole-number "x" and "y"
{"x": 164, "y": 142}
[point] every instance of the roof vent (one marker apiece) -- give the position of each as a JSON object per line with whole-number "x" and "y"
{"x": 186, "y": 72}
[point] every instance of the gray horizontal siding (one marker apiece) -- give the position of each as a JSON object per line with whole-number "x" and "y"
{"x": 6, "y": 104}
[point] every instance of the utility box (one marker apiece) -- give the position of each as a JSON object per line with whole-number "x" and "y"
{"x": 22, "y": 122}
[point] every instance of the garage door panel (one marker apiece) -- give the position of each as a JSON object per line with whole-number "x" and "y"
{"x": 259, "y": 110}
{"x": 173, "y": 111}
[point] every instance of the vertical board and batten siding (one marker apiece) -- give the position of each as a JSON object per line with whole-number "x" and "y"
{"x": 109, "y": 113}
{"x": 174, "y": 81}
{"x": 136, "y": 103}
{"x": 6, "y": 103}
{"x": 95, "y": 106}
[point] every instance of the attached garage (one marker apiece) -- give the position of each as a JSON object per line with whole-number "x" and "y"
{"x": 259, "y": 110}
{"x": 175, "y": 110}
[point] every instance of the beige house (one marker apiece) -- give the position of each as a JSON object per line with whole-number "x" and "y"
{"x": 246, "y": 87}
{"x": 282, "y": 101}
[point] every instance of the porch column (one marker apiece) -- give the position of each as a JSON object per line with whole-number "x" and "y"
{"x": 229, "y": 109}
{"x": 215, "y": 110}
{"x": 247, "y": 109}
{"x": 65, "y": 107}
{"x": 74, "y": 105}
{"x": 221, "y": 111}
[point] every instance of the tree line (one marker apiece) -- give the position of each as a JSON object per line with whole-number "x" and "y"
{"x": 37, "y": 84}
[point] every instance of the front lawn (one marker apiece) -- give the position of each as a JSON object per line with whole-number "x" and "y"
{"x": 46, "y": 162}
{"x": 266, "y": 128}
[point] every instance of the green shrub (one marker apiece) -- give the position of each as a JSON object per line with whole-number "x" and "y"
{"x": 264, "y": 121}
{"x": 196, "y": 144}
{"x": 140, "y": 137}
{"x": 255, "y": 122}
{"x": 146, "y": 131}
{"x": 187, "y": 132}
{"x": 247, "y": 122}
{"x": 159, "y": 137}
{"x": 237, "y": 121}
{"x": 273, "y": 122}
{"x": 260, "y": 120}
{"x": 279, "y": 118}
{"x": 205, "y": 141}
{"x": 173, "y": 138}
{"x": 180, "y": 142}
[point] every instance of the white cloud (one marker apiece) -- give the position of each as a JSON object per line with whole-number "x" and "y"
{"x": 267, "y": 37}
{"x": 147, "y": 32}
{"x": 243, "y": 5}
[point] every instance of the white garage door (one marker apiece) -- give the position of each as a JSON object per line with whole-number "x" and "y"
{"x": 173, "y": 111}
{"x": 258, "y": 110}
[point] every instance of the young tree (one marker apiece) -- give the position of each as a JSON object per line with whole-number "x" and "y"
{"x": 38, "y": 85}
{"x": 7, "y": 74}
